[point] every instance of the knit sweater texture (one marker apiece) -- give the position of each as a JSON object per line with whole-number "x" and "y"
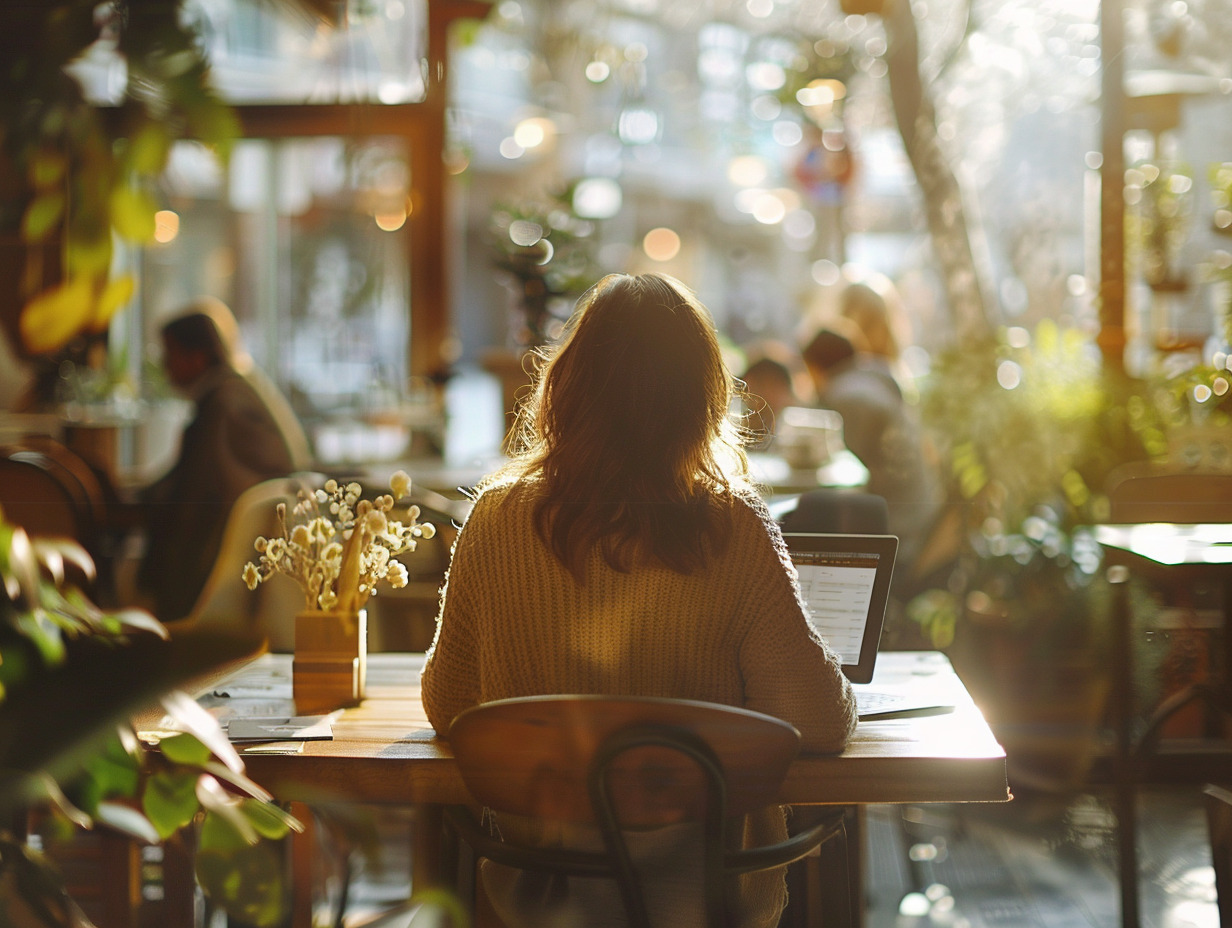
{"x": 515, "y": 622}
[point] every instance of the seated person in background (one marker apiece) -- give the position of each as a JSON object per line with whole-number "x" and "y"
{"x": 622, "y": 551}
{"x": 231, "y": 444}
{"x": 241, "y": 360}
{"x": 770, "y": 386}
{"x": 881, "y": 430}
{"x": 877, "y": 321}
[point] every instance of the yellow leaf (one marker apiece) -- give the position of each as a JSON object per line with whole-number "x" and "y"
{"x": 47, "y": 168}
{"x": 149, "y": 148}
{"x": 132, "y": 214}
{"x": 42, "y": 216}
{"x": 114, "y": 295}
{"x": 88, "y": 257}
{"x": 51, "y": 319}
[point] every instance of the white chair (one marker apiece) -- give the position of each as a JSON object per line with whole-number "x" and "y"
{"x": 225, "y": 602}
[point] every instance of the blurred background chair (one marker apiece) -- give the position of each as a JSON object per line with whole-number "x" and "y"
{"x": 837, "y": 511}
{"x": 225, "y": 603}
{"x": 52, "y": 493}
{"x": 1155, "y": 493}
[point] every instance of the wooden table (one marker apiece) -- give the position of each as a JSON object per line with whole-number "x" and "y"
{"x": 1183, "y": 552}
{"x": 385, "y": 751}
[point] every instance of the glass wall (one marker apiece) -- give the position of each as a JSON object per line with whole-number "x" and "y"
{"x": 305, "y": 241}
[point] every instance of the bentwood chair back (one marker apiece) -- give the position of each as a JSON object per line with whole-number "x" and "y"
{"x": 49, "y": 491}
{"x": 627, "y": 762}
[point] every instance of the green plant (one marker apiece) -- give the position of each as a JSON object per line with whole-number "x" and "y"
{"x": 546, "y": 249}
{"x": 1218, "y": 268}
{"x": 1029, "y": 427}
{"x": 76, "y": 173}
{"x": 1156, "y": 229}
{"x": 71, "y": 678}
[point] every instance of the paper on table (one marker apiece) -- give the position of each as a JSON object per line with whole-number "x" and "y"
{"x": 285, "y": 728}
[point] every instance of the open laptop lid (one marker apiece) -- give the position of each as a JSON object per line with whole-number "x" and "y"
{"x": 845, "y": 580}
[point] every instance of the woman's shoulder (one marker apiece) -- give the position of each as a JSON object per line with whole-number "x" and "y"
{"x": 752, "y": 525}
{"x": 748, "y": 509}
{"x": 505, "y": 500}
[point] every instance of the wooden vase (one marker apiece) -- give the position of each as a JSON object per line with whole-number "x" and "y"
{"x": 331, "y": 660}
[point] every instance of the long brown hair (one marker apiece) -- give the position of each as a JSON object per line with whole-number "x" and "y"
{"x": 628, "y": 428}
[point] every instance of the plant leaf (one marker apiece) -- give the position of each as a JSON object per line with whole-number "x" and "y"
{"x": 270, "y": 820}
{"x": 53, "y": 317}
{"x": 117, "y": 292}
{"x": 52, "y": 721}
{"x": 215, "y": 799}
{"x": 170, "y": 800}
{"x": 112, "y": 772}
{"x": 42, "y": 216}
{"x": 66, "y": 550}
{"x": 184, "y": 749}
{"x": 149, "y": 148}
{"x": 129, "y": 821}
{"x": 237, "y": 779}
{"x": 248, "y": 882}
{"x": 193, "y": 719}
{"x": 132, "y": 213}
{"x": 47, "y": 168}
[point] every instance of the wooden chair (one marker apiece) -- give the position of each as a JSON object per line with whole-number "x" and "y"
{"x": 1154, "y": 493}
{"x": 1146, "y": 493}
{"x": 1219, "y": 824}
{"x": 628, "y": 762}
{"x": 50, "y": 492}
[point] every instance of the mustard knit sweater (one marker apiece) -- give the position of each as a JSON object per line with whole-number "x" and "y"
{"x": 514, "y": 622}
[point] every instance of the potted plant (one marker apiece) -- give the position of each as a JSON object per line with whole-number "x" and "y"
{"x": 337, "y": 547}
{"x": 1029, "y": 428}
{"x": 72, "y": 678}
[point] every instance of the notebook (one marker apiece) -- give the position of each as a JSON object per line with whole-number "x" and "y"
{"x": 845, "y": 580}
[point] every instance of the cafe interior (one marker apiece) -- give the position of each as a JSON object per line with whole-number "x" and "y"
{"x": 393, "y": 207}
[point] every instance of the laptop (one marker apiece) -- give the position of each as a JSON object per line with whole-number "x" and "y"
{"x": 845, "y": 580}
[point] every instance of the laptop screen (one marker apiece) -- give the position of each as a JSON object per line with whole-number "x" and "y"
{"x": 845, "y": 580}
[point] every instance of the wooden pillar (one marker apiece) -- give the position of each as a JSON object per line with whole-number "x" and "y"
{"x": 1112, "y": 188}
{"x": 429, "y": 238}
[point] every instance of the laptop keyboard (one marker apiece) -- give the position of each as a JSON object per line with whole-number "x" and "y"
{"x": 879, "y": 704}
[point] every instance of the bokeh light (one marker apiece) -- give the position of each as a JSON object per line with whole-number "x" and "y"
{"x": 661, "y": 244}
{"x": 166, "y": 226}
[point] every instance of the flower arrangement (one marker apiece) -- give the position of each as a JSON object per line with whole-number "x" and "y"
{"x": 338, "y": 558}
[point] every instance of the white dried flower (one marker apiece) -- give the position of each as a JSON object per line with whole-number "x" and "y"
{"x": 397, "y": 575}
{"x": 311, "y": 547}
{"x": 400, "y": 484}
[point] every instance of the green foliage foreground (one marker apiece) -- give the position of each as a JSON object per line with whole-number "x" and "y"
{"x": 72, "y": 677}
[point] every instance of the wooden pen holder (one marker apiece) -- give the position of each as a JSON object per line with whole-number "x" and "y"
{"x": 330, "y": 663}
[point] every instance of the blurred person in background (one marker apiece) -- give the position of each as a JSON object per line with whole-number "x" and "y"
{"x": 771, "y": 384}
{"x": 876, "y": 310}
{"x": 881, "y": 429}
{"x": 232, "y": 442}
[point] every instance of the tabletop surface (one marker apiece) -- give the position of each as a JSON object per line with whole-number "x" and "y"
{"x": 384, "y": 750}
